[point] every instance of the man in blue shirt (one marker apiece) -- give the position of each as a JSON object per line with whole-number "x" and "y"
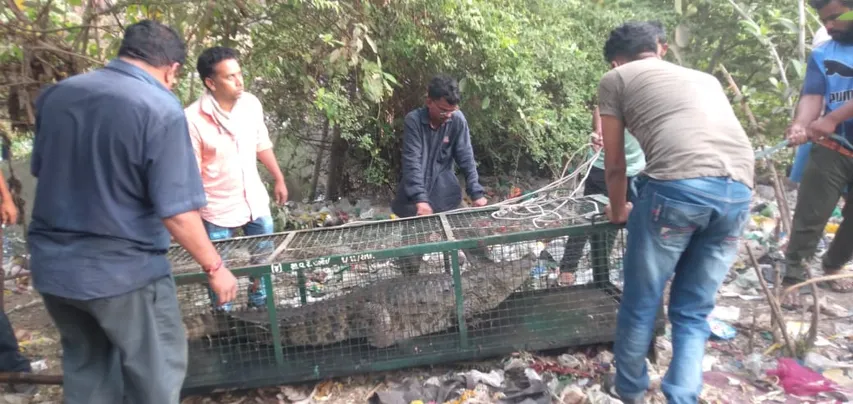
{"x": 801, "y": 156}
{"x": 434, "y": 137}
{"x": 116, "y": 174}
{"x": 828, "y": 85}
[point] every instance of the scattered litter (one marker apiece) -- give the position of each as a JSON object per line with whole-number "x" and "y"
{"x": 839, "y": 376}
{"x": 753, "y": 364}
{"x": 596, "y": 396}
{"x": 818, "y": 362}
{"x": 39, "y": 366}
{"x": 573, "y": 395}
{"x": 800, "y": 381}
{"x": 708, "y": 363}
{"x": 721, "y": 330}
{"x": 569, "y": 361}
{"x": 747, "y": 280}
{"x": 834, "y": 310}
{"x": 831, "y": 228}
{"x": 495, "y": 378}
{"x": 726, "y": 313}
{"x": 732, "y": 290}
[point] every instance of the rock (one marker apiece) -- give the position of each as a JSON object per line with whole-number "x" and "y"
{"x": 572, "y": 395}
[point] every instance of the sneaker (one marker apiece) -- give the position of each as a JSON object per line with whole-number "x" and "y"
{"x": 609, "y": 387}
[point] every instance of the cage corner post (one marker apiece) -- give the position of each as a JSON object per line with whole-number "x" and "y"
{"x": 302, "y": 281}
{"x": 275, "y": 330}
{"x": 599, "y": 252}
{"x": 456, "y": 272}
{"x": 460, "y": 299}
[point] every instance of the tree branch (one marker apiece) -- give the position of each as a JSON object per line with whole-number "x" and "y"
{"x": 770, "y": 47}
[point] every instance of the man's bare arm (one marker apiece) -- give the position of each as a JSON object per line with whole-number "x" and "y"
{"x": 809, "y": 109}
{"x": 596, "y": 121}
{"x": 842, "y": 114}
{"x": 5, "y": 195}
{"x": 188, "y": 231}
{"x": 615, "y": 165}
{"x": 267, "y": 158}
{"x": 8, "y": 209}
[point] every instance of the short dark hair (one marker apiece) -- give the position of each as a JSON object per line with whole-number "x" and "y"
{"x": 631, "y": 39}
{"x": 661, "y": 30}
{"x": 442, "y": 86}
{"x": 154, "y": 43}
{"x": 819, "y": 4}
{"x": 210, "y": 57}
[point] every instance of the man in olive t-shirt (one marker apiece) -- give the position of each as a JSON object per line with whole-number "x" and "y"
{"x": 692, "y": 204}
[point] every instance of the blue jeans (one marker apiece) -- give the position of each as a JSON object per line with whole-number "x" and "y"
{"x": 688, "y": 229}
{"x": 257, "y": 227}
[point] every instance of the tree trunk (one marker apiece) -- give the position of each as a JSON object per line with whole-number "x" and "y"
{"x": 337, "y": 162}
{"x": 318, "y": 163}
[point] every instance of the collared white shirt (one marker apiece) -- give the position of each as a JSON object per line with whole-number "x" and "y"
{"x": 226, "y": 146}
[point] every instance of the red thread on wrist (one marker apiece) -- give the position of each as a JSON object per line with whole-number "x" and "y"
{"x": 212, "y": 269}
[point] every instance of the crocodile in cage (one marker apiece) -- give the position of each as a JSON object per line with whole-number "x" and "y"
{"x": 384, "y": 312}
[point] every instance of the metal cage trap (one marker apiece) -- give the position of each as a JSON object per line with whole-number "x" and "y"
{"x": 378, "y": 296}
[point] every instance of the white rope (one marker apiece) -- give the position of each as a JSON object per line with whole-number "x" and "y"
{"x": 534, "y": 209}
{"x": 540, "y": 206}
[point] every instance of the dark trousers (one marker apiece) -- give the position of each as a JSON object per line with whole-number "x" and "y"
{"x": 11, "y": 359}
{"x": 594, "y": 185}
{"x": 825, "y": 177}
{"x": 127, "y": 349}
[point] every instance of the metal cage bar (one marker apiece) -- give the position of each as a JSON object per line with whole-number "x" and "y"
{"x": 412, "y": 292}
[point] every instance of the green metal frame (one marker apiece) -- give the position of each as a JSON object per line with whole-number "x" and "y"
{"x": 598, "y": 226}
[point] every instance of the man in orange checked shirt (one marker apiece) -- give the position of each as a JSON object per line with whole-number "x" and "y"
{"x": 229, "y": 137}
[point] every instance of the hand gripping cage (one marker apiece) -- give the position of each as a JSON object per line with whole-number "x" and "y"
{"x": 379, "y": 296}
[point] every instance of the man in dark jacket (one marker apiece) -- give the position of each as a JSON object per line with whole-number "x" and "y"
{"x": 434, "y": 137}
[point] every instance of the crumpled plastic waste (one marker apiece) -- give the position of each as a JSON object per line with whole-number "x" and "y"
{"x": 721, "y": 330}
{"x": 514, "y": 252}
{"x": 818, "y": 362}
{"x": 596, "y": 396}
{"x": 515, "y": 386}
{"x": 799, "y": 380}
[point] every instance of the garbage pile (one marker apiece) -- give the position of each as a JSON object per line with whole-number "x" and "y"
{"x": 521, "y": 378}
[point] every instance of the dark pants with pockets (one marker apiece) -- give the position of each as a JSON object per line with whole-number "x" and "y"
{"x": 594, "y": 185}
{"x": 11, "y": 359}
{"x": 127, "y": 349}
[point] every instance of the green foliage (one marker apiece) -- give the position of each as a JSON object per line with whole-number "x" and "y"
{"x": 759, "y": 49}
{"x": 528, "y": 70}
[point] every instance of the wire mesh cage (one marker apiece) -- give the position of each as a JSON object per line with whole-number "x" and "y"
{"x": 331, "y": 302}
